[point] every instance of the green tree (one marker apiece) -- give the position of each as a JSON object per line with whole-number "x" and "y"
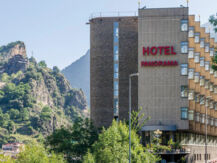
{"x": 213, "y": 21}
{"x": 14, "y": 113}
{"x": 73, "y": 142}
{"x": 46, "y": 113}
{"x": 35, "y": 153}
{"x": 42, "y": 64}
{"x": 113, "y": 146}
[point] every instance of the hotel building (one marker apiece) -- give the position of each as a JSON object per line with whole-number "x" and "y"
{"x": 176, "y": 85}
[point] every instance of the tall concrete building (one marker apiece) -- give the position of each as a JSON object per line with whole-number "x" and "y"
{"x": 176, "y": 86}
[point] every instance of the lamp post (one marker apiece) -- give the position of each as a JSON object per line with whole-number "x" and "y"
{"x": 206, "y": 129}
{"x": 131, "y": 75}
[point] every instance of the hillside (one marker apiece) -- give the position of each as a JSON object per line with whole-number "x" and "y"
{"x": 78, "y": 74}
{"x": 34, "y": 99}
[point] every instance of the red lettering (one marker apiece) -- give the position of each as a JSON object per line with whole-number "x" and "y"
{"x": 172, "y": 51}
{"x": 160, "y": 49}
{"x": 145, "y": 50}
{"x": 167, "y": 50}
{"x": 175, "y": 63}
{"x": 153, "y": 50}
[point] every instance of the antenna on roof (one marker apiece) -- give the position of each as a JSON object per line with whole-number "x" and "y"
{"x": 187, "y": 3}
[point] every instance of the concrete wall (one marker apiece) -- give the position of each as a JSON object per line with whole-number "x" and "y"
{"x": 159, "y": 87}
{"x": 101, "y": 67}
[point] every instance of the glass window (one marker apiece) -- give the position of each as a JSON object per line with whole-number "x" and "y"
{"x": 196, "y": 77}
{"x": 115, "y": 93}
{"x": 202, "y": 61}
{"x": 191, "y": 32}
{"x": 184, "y": 25}
{"x": 115, "y": 85}
{"x": 184, "y": 91}
{"x": 203, "y": 118}
{"x": 184, "y": 113}
{"x": 211, "y": 71}
{"x": 207, "y": 84}
{"x": 211, "y": 52}
{"x": 207, "y": 65}
{"x": 215, "y": 74}
{"x": 207, "y": 102}
{"x": 184, "y": 47}
{"x": 206, "y": 48}
{"x": 216, "y": 122}
{"x": 116, "y": 57}
{"x": 215, "y": 89}
{"x": 212, "y": 121}
{"x": 116, "y": 50}
{"x": 116, "y": 67}
{"x": 115, "y": 103}
{"x": 191, "y": 95}
{"x": 191, "y": 74}
{"x": 211, "y": 104}
{"x": 196, "y": 57}
{"x": 197, "y": 117}
{"x": 197, "y": 37}
{"x": 116, "y": 75}
{"x": 184, "y": 69}
{"x": 191, "y": 115}
{"x": 211, "y": 87}
{"x": 207, "y": 119}
{"x": 197, "y": 97}
{"x": 202, "y": 101}
{"x": 202, "y": 81}
{"x": 202, "y": 42}
{"x": 215, "y": 106}
{"x": 191, "y": 53}
{"x": 116, "y": 30}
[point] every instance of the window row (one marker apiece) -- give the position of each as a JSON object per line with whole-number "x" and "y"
{"x": 198, "y": 117}
{"x": 190, "y": 72}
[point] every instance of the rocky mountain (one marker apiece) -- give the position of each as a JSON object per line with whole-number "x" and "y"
{"x": 78, "y": 74}
{"x": 34, "y": 99}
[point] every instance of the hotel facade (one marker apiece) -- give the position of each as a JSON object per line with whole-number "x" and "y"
{"x": 176, "y": 86}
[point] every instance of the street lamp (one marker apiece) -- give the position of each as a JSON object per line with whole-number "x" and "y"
{"x": 131, "y": 75}
{"x": 206, "y": 129}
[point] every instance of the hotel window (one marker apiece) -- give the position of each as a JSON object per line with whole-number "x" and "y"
{"x": 191, "y": 115}
{"x": 215, "y": 89}
{"x": 215, "y": 106}
{"x": 211, "y": 71}
{"x": 196, "y": 77}
{"x": 211, "y": 104}
{"x": 184, "y": 47}
{"x": 202, "y": 102}
{"x": 116, "y": 107}
{"x": 202, "y": 60}
{"x": 207, "y": 84}
{"x": 191, "y": 95}
{"x": 116, "y": 93}
{"x": 206, "y": 48}
{"x": 191, "y": 74}
{"x": 211, "y": 52}
{"x": 197, "y": 37}
{"x": 115, "y": 85}
{"x": 116, "y": 67}
{"x": 116, "y": 51}
{"x": 197, "y": 117}
{"x": 207, "y": 65}
{"x": 184, "y": 69}
{"x": 184, "y": 91}
{"x": 202, "y": 81}
{"x": 215, "y": 74}
{"x": 202, "y": 118}
{"x": 116, "y": 57}
{"x": 191, "y": 32}
{"x": 197, "y": 97}
{"x": 196, "y": 57}
{"x": 190, "y": 52}
{"x": 184, "y": 113}
{"x": 207, "y": 102}
{"x": 212, "y": 121}
{"x": 116, "y": 75}
{"x": 216, "y": 122}
{"x": 202, "y": 42}
{"x": 211, "y": 87}
{"x": 184, "y": 25}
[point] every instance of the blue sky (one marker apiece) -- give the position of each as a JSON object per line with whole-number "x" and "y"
{"x": 55, "y": 30}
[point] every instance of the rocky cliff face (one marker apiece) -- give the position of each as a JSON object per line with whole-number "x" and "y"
{"x": 33, "y": 97}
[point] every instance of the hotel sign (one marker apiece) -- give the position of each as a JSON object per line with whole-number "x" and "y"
{"x": 160, "y": 50}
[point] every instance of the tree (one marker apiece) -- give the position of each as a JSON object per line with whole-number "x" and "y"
{"x": 213, "y": 21}
{"x": 37, "y": 153}
{"x": 46, "y": 113}
{"x": 14, "y": 113}
{"x": 73, "y": 142}
{"x": 42, "y": 64}
{"x": 113, "y": 146}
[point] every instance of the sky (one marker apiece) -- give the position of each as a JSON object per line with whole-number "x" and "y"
{"x": 56, "y": 30}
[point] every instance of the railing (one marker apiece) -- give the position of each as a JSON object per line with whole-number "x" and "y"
{"x": 113, "y": 14}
